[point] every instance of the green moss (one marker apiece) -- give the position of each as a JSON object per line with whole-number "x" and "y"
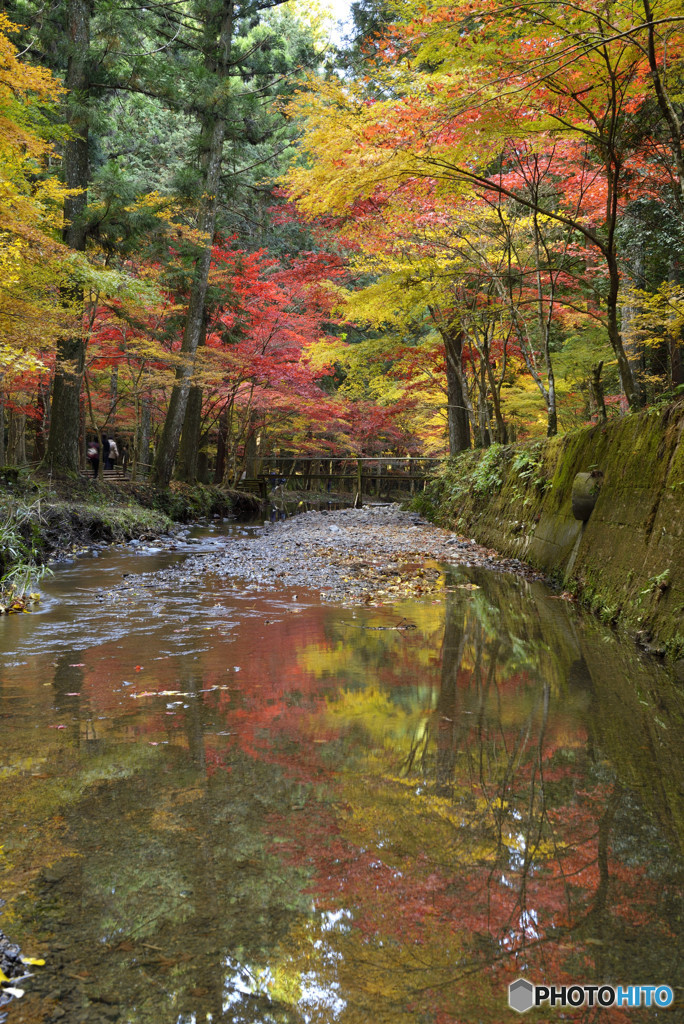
{"x": 627, "y": 562}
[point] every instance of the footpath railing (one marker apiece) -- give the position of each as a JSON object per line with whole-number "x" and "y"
{"x": 371, "y": 476}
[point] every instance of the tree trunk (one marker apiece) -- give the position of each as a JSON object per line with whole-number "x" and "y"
{"x": 668, "y": 108}
{"x": 188, "y": 453}
{"x": 457, "y": 412}
{"x": 213, "y": 135}
{"x": 62, "y": 449}
{"x": 251, "y": 448}
{"x": 16, "y": 439}
{"x": 629, "y": 315}
{"x": 142, "y": 453}
{"x": 2, "y": 429}
{"x": 39, "y": 441}
{"x": 597, "y": 392}
{"x": 220, "y": 468}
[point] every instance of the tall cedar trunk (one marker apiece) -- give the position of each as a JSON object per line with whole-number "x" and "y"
{"x": 482, "y": 408}
{"x": 629, "y": 315}
{"x": 39, "y": 440}
{"x": 62, "y": 449}
{"x": 213, "y": 133}
{"x": 2, "y": 429}
{"x": 676, "y": 345}
{"x": 251, "y": 447}
{"x": 544, "y": 320}
{"x": 457, "y": 412}
{"x": 674, "y": 340}
{"x": 142, "y": 453}
{"x": 221, "y": 445}
{"x": 16, "y": 439}
{"x": 669, "y": 110}
{"x": 188, "y": 454}
{"x": 596, "y": 388}
{"x": 501, "y": 429}
{"x": 629, "y": 384}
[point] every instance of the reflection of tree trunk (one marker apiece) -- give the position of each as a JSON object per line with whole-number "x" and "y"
{"x": 597, "y": 924}
{"x": 205, "y": 885}
{"x": 447, "y": 704}
{"x": 194, "y": 724}
{"x": 67, "y": 683}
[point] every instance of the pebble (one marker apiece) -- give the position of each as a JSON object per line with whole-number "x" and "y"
{"x": 348, "y": 555}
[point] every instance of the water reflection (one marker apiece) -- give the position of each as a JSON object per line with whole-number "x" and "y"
{"x": 306, "y": 814}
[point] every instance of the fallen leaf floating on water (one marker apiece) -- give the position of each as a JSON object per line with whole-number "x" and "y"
{"x": 467, "y": 586}
{"x": 138, "y": 668}
{"x": 32, "y": 961}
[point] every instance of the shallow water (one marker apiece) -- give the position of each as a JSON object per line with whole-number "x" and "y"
{"x": 231, "y": 805}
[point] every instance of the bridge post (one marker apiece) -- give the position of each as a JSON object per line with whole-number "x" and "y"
{"x": 358, "y": 498}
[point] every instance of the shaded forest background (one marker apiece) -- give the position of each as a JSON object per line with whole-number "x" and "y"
{"x": 223, "y": 235}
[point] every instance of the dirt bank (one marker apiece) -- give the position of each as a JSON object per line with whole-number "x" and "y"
{"x": 47, "y": 522}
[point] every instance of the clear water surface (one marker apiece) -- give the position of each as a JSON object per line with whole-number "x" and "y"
{"x": 225, "y": 804}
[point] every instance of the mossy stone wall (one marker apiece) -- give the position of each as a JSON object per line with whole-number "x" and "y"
{"x": 627, "y": 560}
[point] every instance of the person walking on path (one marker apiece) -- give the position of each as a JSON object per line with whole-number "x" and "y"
{"x": 94, "y": 455}
{"x": 105, "y": 451}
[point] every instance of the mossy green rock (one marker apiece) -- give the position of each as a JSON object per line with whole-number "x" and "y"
{"x": 627, "y": 559}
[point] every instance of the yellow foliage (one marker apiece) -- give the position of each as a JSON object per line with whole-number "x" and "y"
{"x": 30, "y": 211}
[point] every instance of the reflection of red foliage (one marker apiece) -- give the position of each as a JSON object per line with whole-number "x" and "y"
{"x": 496, "y": 909}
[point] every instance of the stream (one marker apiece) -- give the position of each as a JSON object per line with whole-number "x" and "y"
{"x": 229, "y": 804}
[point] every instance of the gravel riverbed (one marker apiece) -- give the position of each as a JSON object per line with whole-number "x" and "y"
{"x": 379, "y": 552}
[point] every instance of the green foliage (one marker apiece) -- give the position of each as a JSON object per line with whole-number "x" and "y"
{"x": 487, "y": 477}
{"x": 20, "y": 543}
{"x": 528, "y": 466}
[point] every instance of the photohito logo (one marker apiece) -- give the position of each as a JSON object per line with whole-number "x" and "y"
{"x": 523, "y": 995}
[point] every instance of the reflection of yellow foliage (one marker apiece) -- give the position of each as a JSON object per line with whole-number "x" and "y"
{"x": 385, "y": 721}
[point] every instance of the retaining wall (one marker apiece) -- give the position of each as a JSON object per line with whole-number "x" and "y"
{"x": 627, "y": 560}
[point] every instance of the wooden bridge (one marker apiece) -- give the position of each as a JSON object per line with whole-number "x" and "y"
{"x": 380, "y": 476}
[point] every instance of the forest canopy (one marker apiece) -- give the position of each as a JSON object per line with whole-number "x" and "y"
{"x": 225, "y": 233}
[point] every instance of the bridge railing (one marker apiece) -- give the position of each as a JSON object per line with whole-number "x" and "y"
{"x": 359, "y": 475}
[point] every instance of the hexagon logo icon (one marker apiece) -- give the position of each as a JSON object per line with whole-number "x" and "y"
{"x": 521, "y": 995}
